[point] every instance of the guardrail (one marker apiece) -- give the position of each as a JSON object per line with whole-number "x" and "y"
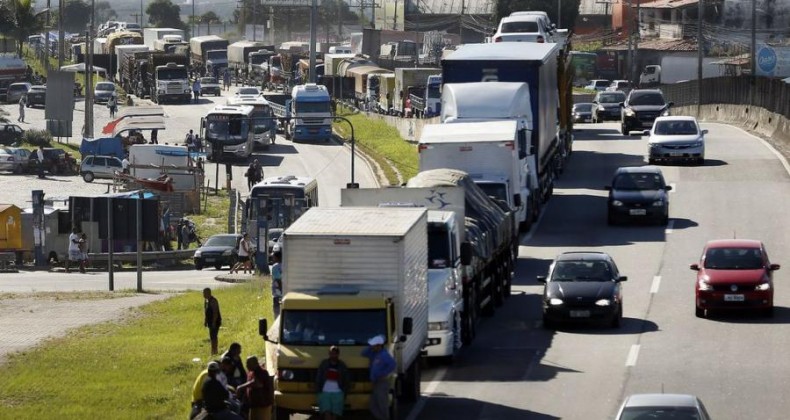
{"x": 177, "y": 255}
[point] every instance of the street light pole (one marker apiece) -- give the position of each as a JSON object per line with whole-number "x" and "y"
{"x": 353, "y": 184}
{"x": 700, "y": 54}
{"x": 754, "y": 53}
{"x": 313, "y": 23}
{"x": 559, "y": 14}
{"x": 193, "y": 19}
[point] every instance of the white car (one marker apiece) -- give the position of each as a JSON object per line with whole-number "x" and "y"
{"x": 524, "y": 27}
{"x": 598, "y": 85}
{"x": 676, "y": 138}
{"x": 622, "y": 85}
{"x": 251, "y": 92}
{"x": 93, "y": 167}
{"x": 13, "y": 159}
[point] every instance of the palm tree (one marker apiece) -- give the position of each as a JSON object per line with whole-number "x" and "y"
{"x": 26, "y": 22}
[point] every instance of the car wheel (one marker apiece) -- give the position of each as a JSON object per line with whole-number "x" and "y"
{"x": 218, "y": 266}
{"x": 701, "y": 161}
{"x": 664, "y": 220}
{"x": 617, "y": 319}
{"x": 88, "y": 176}
{"x": 18, "y": 169}
{"x": 198, "y": 266}
{"x": 651, "y": 161}
{"x": 699, "y": 312}
{"x": 768, "y": 312}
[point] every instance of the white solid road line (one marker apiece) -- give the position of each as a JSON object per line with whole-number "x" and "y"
{"x": 769, "y": 146}
{"x": 670, "y": 226}
{"x": 633, "y": 354}
{"x": 655, "y": 285}
{"x": 429, "y": 389}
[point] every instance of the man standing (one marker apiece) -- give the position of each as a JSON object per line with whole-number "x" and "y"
{"x": 258, "y": 171}
{"x": 112, "y": 103}
{"x": 41, "y": 163}
{"x": 184, "y": 235}
{"x": 75, "y": 255}
{"x": 381, "y": 367}
{"x": 196, "y": 89}
{"x": 332, "y": 382}
{"x": 226, "y": 79}
{"x": 125, "y": 164}
{"x": 154, "y": 136}
{"x": 22, "y": 105}
{"x": 213, "y": 318}
{"x": 190, "y": 141}
{"x": 259, "y": 390}
{"x": 277, "y": 282}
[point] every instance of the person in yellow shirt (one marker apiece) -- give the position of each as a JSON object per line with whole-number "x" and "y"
{"x": 197, "y": 389}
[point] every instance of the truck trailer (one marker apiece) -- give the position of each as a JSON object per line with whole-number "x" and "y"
{"x": 208, "y": 53}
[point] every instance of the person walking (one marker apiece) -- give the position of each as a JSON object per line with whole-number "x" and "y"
{"x": 41, "y": 162}
{"x": 226, "y": 79}
{"x": 332, "y": 383}
{"x": 213, "y": 318}
{"x": 112, "y": 103}
{"x": 250, "y": 175}
{"x": 259, "y": 390}
{"x": 244, "y": 252}
{"x": 84, "y": 252}
{"x": 185, "y": 236}
{"x": 196, "y": 90}
{"x": 154, "y": 136}
{"x": 22, "y": 105}
{"x": 75, "y": 255}
{"x": 277, "y": 282}
{"x": 382, "y": 365}
{"x": 258, "y": 171}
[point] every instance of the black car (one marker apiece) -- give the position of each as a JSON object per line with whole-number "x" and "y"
{"x": 638, "y": 193}
{"x": 218, "y": 251}
{"x": 641, "y": 108}
{"x": 56, "y": 162}
{"x": 582, "y": 112}
{"x": 37, "y": 95}
{"x": 10, "y": 134}
{"x": 606, "y": 106}
{"x": 582, "y": 286}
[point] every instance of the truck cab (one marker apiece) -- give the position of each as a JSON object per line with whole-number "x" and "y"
{"x": 172, "y": 83}
{"x": 311, "y": 113}
{"x": 216, "y": 62}
{"x": 427, "y": 102}
{"x": 651, "y": 76}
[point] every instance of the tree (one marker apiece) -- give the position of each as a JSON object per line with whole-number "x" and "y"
{"x": 209, "y": 17}
{"x": 164, "y": 14}
{"x": 569, "y": 8}
{"x": 76, "y": 15}
{"x": 24, "y": 23}
{"x": 105, "y": 12}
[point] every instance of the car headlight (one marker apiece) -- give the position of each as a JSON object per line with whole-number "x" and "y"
{"x": 629, "y": 112}
{"x": 697, "y": 144}
{"x": 227, "y": 253}
{"x": 658, "y": 203}
{"x": 286, "y": 375}
{"x": 186, "y": 90}
{"x": 555, "y": 301}
{"x": 763, "y": 286}
{"x": 704, "y": 286}
{"x": 198, "y": 254}
{"x": 603, "y": 302}
{"x": 617, "y": 203}
{"x": 438, "y": 326}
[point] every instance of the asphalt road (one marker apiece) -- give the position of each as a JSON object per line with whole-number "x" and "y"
{"x": 735, "y": 364}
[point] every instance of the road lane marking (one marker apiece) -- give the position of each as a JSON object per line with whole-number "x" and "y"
{"x": 633, "y": 354}
{"x": 670, "y": 226}
{"x": 674, "y": 187}
{"x": 655, "y": 285}
{"x": 429, "y": 389}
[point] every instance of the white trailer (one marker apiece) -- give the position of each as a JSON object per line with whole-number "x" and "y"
{"x": 124, "y": 51}
{"x": 406, "y": 78}
{"x": 151, "y": 35}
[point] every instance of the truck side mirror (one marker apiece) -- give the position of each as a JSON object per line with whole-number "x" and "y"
{"x": 263, "y": 327}
{"x": 540, "y": 279}
{"x": 408, "y": 326}
{"x": 670, "y": 104}
{"x": 517, "y": 200}
{"x": 466, "y": 253}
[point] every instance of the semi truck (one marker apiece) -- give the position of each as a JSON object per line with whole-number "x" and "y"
{"x": 305, "y": 114}
{"x": 407, "y": 79}
{"x": 151, "y": 35}
{"x": 238, "y": 53}
{"x": 208, "y": 53}
{"x": 426, "y": 101}
{"x": 120, "y": 38}
{"x": 381, "y": 88}
{"x": 256, "y": 62}
{"x": 350, "y": 274}
{"x": 172, "y": 44}
{"x": 123, "y": 52}
{"x": 157, "y": 75}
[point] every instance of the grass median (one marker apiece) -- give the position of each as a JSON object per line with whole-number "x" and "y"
{"x": 142, "y": 366}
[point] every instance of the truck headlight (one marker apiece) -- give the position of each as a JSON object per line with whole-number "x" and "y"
{"x": 160, "y": 90}
{"x": 438, "y": 326}
{"x": 186, "y": 90}
{"x": 629, "y": 112}
{"x": 555, "y": 301}
{"x": 286, "y": 375}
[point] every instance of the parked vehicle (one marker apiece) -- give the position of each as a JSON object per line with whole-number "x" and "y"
{"x": 327, "y": 302}
{"x": 247, "y": 91}
{"x": 641, "y": 108}
{"x": 582, "y": 112}
{"x": 734, "y": 274}
{"x": 239, "y": 53}
{"x": 638, "y": 193}
{"x": 10, "y": 134}
{"x": 104, "y": 167}
{"x": 607, "y": 106}
{"x": 152, "y": 35}
{"x": 676, "y": 139}
{"x": 209, "y": 53}
{"x": 157, "y": 75}
{"x": 662, "y": 406}
{"x": 426, "y": 102}
{"x": 228, "y": 132}
{"x": 305, "y": 114}
{"x": 119, "y": 37}
{"x": 621, "y": 85}
{"x": 37, "y": 95}
{"x": 14, "y": 70}
{"x": 16, "y": 91}
{"x": 582, "y": 286}
{"x": 103, "y": 91}
{"x": 218, "y": 251}
{"x": 56, "y": 162}
{"x": 14, "y": 159}
{"x": 409, "y": 79}
{"x": 103, "y": 146}
{"x": 599, "y": 85}
{"x": 123, "y": 54}
{"x": 210, "y": 86}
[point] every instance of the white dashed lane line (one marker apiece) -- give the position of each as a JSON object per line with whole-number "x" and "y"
{"x": 656, "y": 283}
{"x": 633, "y": 354}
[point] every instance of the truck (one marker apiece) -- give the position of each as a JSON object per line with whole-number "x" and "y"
{"x": 426, "y": 101}
{"x": 123, "y": 52}
{"x": 305, "y": 114}
{"x": 99, "y": 45}
{"x": 120, "y": 38}
{"x": 157, "y": 75}
{"x": 673, "y": 69}
{"x": 546, "y": 70}
{"x": 238, "y": 53}
{"x": 172, "y": 44}
{"x": 12, "y": 70}
{"x": 256, "y": 60}
{"x": 332, "y": 61}
{"x": 350, "y": 274}
{"x": 381, "y": 87}
{"x": 151, "y": 35}
{"x": 407, "y": 79}
{"x": 208, "y": 53}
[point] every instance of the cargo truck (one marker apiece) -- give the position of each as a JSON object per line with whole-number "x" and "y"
{"x": 305, "y": 114}
{"x": 157, "y": 75}
{"x": 405, "y": 80}
{"x": 151, "y": 35}
{"x": 349, "y": 274}
{"x": 426, "y": 101}
{"x": 120, "y": 38}
{"x": 208, "y": 53}
{"x": 256, "y": 64}
{"x": 381, "y": 88}
{"x": 238, "y": 53}
{"x": 123, "y": 52}
{"x": 172, "y": 44}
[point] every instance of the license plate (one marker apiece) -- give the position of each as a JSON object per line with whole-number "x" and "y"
{"x": 210, "y": 259}
{"x": 733, "y": 298}
{"x": 676, "y": 154}
{"x": 313, "y": 130}
{"x": 637, "y": 212}
{"x": 580, "y": 314}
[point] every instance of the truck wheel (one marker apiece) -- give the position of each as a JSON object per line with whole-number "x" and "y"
{"x": 411, "y": 383}
{"x": 525, "y": 225}
{"x": 490, "y": 292}
{"x": 469, "y": 318}
{"x": 498, "y": 288}
{"x": 281, "y": 414}
{"x": 393, "y": 407}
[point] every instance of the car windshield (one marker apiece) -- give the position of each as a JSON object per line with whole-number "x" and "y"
{"x": 208, "y": 80}
{"x": 519, "y": 27}
{"x": 312, "y": 107}
{"x": 223, "y": 240}
{"x": 633, "y": 181}
{"x": 172, "y": 74}
{"x": 734, "y": 259}
{"x": 105, "y": 86}
{"x": 659, "y": 413}
{"x": 323, "y": 328}
{"x": 581, "y": 271}
{"x": 648, "y": 98}
{"x": 675, "y": 128}
{"x": 249, "y": 91}
{"x": 611, "y": 98}
{"x": 582, "y": 107}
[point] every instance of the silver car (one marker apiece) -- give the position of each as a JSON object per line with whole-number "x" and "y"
{"x": 676, "y": 138}
{"x": 93, "y": 167}
{"x": 103, "y": 92}
{"x": 662, "y": 406}
{"x": 13, "y": 159}
{"x": 16, "y": 90}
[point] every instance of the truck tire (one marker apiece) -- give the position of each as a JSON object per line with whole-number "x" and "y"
{"x": 499, "y": 285}
{"x": 411, "y": 382}
{"x": 469, "y": 319}
{"x": 490, "y": 292}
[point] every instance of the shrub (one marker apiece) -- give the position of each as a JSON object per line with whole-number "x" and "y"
{"x": 37, "y": 138}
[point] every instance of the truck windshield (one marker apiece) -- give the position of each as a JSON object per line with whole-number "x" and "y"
{"x": 434, "y": 92}
{"x": 172, "y": 74}
{"x": 312, "y": 107}
{"x": 258, "y": 59}
{"x": 342, "y": 327}
{"x": 217, "y": 55}
{"x": 438, "y": 247}
{"x": 227, "y": 127}
{"x": 498, "y": 191}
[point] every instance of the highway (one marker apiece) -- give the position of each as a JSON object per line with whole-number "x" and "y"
{"x": 735, "y": 364}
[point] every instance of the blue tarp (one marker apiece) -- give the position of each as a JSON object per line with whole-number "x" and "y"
{"x": 105, "y": 146}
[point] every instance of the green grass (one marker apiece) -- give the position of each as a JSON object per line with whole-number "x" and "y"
{"x": 382, "y": 143}
{"x": 140, "y": 367}
{"x": 72, "y": 149}
{"x": 214, "y": 219}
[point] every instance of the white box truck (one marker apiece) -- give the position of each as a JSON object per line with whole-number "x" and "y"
{"x": 151, "y": 35}
{"x": 349, "y": 274}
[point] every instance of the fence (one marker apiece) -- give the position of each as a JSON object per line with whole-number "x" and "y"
{"x": 773, "y": 95}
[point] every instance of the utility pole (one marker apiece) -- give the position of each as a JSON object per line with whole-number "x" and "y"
{"x": 88, "y": 127}
{"x": 137, "y": 18}
{"x": 313, "y": 23}
{"x": 254, "y": 22}
{"x": 193, "y": 34}
{"x": 638, "y": 35}
{"x": 753, "y": 66}
{"x": 61, "y": 35}
{"x": 630, "y": 54}
{"x": 46, "y": 42}
{"x": 700, "y": 54}
{"x": 142, "y": 14}
{"x": 559, "y": 14}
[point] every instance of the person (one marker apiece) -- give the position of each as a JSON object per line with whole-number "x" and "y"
{"x": 226, "y": 79}
{"x": 190, "y": 140}
{"x": 381, "y": 367}
{"x": 74, "y": 250}
{"x": 277, "y": 281}
{"x": 213, "y": 318}
{"x": 238, "y": 375}
{"x": 259, "y": 390}
{"x": 196, "y": 144}
{"x": 186, "y": 238}
{"x": 22, "y": 105}
{"x": 332, "y": 383}
{"x": 112, "y": 103}
{"x": 196, "y": 90}
{"x": 258, "y": 173}
{"x": 244, "y": 251}
{"x": 84, "y": 251}
{"x": 125, "y": 164}
{"x": 226, "y": 366}
{"x": 250, "y": 174}
{"x": 41, "y": 161}
{"x": 215, "y": 396}
{"x": 154, "y": 136}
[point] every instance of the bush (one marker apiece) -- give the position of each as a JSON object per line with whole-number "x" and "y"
{"x": 37, "y": 138}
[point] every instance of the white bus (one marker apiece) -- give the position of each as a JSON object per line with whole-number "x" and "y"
{"x": 263, "y": 120}
{"x": 228, "y": 132}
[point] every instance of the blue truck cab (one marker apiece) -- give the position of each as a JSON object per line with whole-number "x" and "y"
{"x": 310, "y": 113}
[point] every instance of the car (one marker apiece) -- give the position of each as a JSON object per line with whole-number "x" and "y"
{"x": 599, "y": 85}
{"x": 218, "y": 251}
{"x": 10, "y": 134}
{"x": 248, "y": 91}
{"x": 524, "y": 27}
{"x": 734, "y": 274}
{"x": 641, "y": 108}
{"x": 607, "y": 106}
{"x": 582, "y": 286}
{"x": 14, "y": 159}
{"x": 93, "y": 167}
{"x": 56, "y": 162}
{"x": 582, "y": 112}
{"x": 638, "y": 193}
{"x": 274, "y": 237}
{"x": 37, "y": 95}
{"x": 621, "y": 85}
{"x": 676, "y": 138}
{"x": 103, "y": 92}
{"x": 209, "y": 85}
{"x": 662, "y": 406}
{"x": 277, "y": 246}
{"x": 16, "y": 90}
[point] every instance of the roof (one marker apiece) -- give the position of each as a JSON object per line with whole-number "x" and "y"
{"x": 668, "y": 4}
{"x": 231, "y": 109}
{"x": 531, "y": 51}
{"x": 638, "y": 170}
{"x": 733, "y": 243}
{"x": 356, "y": 221}
{"x": 361, "y": 70}
{"x": 676, "y": 118}
{"x": 658, "y": 44}
{"x": 4, "y": 207}
{"x": 139, "y": 123}
{"x": 471, "y": 132}
{"x": 285, "y": 181}
{"x": 583, "y": 256}
{"x": 652, "y": 400}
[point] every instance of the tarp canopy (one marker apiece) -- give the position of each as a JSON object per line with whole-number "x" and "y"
{"x": 363, "y": 70}
{"x": 133, "y": 111}
{"x": 140, "y": 124}
{"x": 80, "y": 68}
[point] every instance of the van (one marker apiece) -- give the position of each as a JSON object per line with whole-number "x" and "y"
{"x": 340, "y": 50}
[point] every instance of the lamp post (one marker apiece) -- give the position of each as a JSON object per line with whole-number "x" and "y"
{"x": 352, "y": 184}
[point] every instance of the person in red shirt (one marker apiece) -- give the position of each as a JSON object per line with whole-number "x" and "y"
{"x": 259, "y": 390}
{"x": 332, "y": 383}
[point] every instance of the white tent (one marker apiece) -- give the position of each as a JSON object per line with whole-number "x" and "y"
{"x": 80, "y": 68}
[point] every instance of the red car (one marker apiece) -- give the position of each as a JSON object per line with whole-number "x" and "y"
{"x": 734, "y": 274}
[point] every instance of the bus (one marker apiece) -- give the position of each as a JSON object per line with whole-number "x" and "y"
{"x": 584, "y": 67}
{"x": 227, "y": 132}
{"x": 263, "y": 120}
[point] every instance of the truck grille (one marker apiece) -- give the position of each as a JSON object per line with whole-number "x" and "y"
{"x": 313, "y": 121}
{"x": 174, "y": 88}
